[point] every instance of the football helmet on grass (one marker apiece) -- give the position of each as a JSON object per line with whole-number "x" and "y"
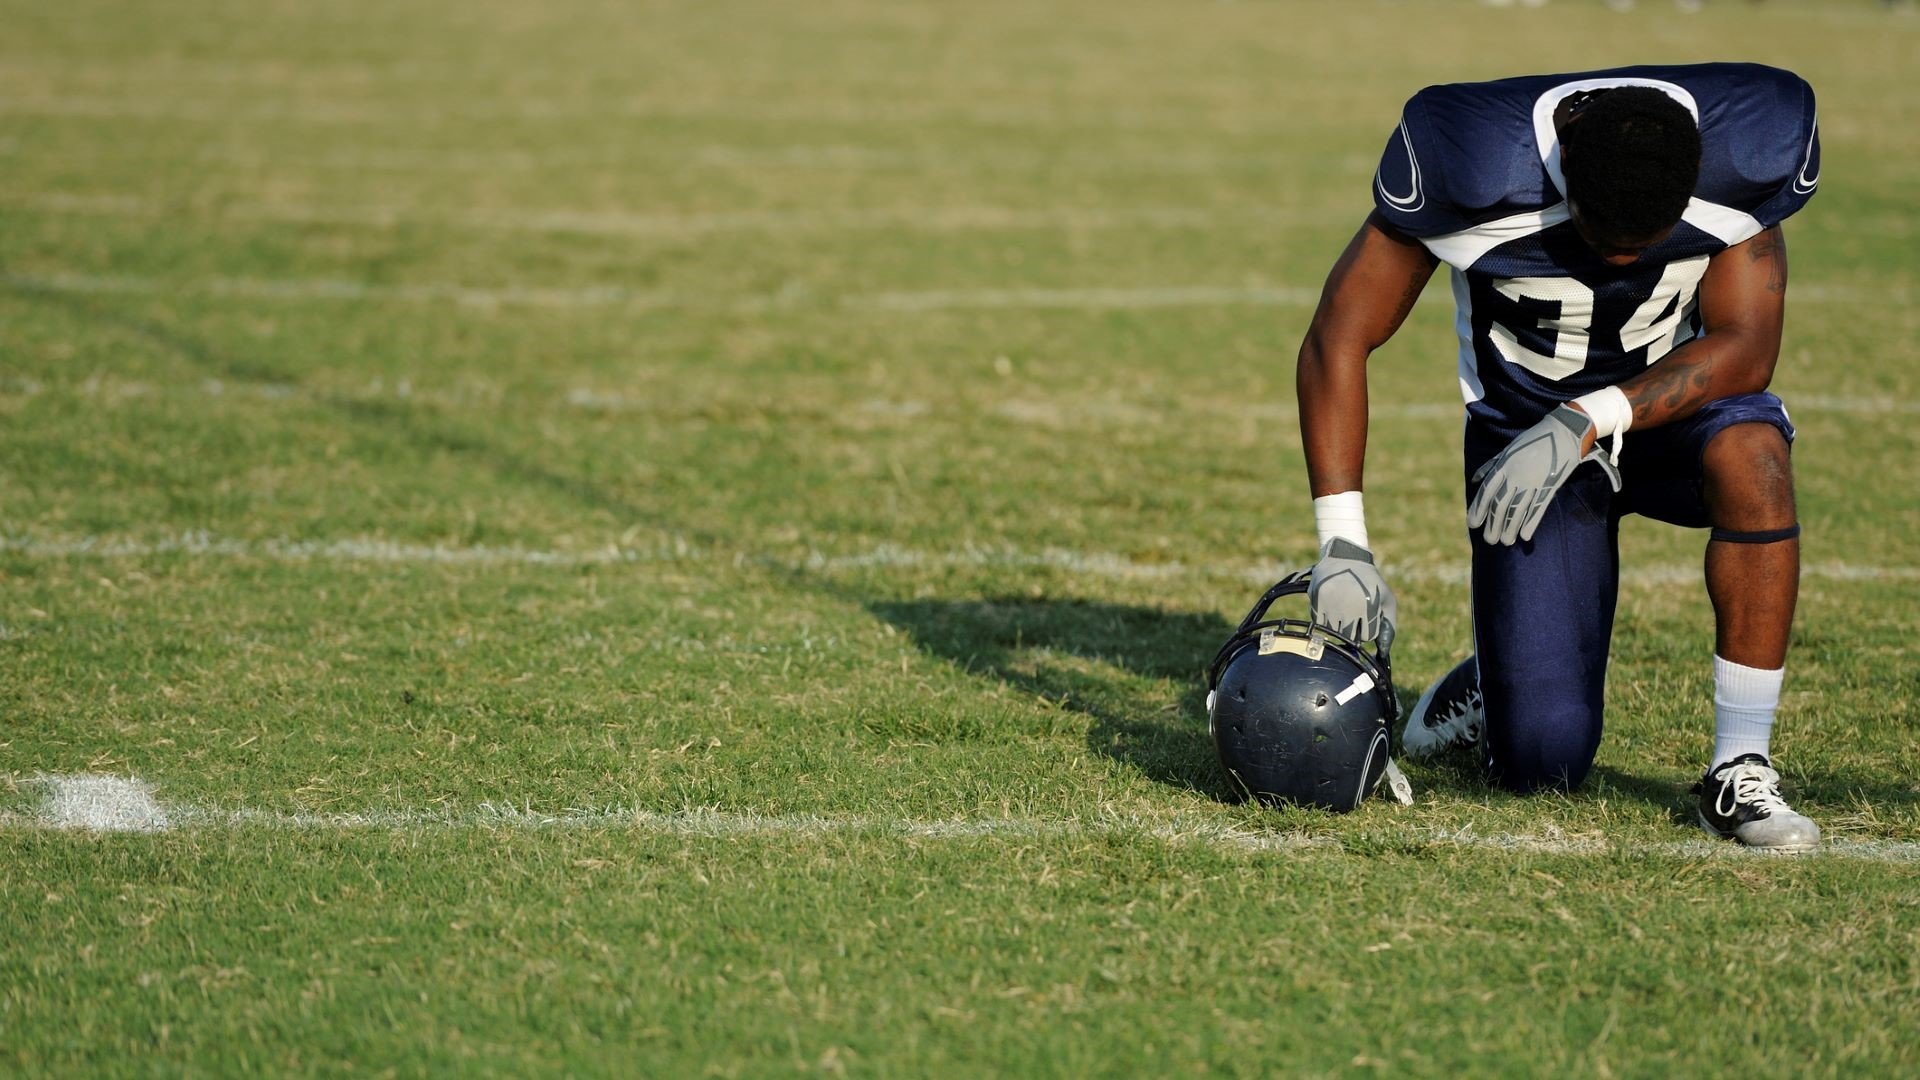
{"x": 1301, "y": 714}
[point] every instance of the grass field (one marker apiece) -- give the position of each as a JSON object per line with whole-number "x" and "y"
{"x": 682, "y": 538}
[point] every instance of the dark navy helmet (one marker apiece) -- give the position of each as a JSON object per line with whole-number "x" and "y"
{"x": 1300, "y": 714}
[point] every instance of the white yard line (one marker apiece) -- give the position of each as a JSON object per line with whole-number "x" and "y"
{"x": 772, "y": 103}
{"x": 101, "y": 804}
{"x": 682, "y": 223}
{"x": 339, "y": 290}
{"x": 335, "y": 290}
{"x": 207, "y": 545}
{"x": 835, "y": 157}
{"x": 1095, "y": 298}
{"x": 129, "y": 804}
{"x": 814, "y": 220}
{"x": 1106, "y": 564}
{"x": 826, "y": 157}
{"x": 472, "y": 391}
{"x": 1091, "y": 299}
{"x": 675, "y": 549}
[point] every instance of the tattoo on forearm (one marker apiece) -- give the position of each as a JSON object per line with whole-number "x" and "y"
{"x": 1771, "y": 247}
{"x": 1685, "y": 379}
{"x": 1679, "y": 385}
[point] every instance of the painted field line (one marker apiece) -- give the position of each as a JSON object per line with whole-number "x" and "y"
{"x": 338, "y": 290}
{"x": 831, "y": 156}
{"x": 768, "y": 102}
{"x": 692, "y": 223}
{"x": 128, "y": 804}
{"x": 837, "y": 157}
{"x": 1859, "y": 406}
{"x": 1107, "y": 564}
{"x": 470, "y": 392}
{"x": 101, "y": 804}
{"x": 1095, "y": 298}
{"x": 823, "y": 156}
{"x": 353, "y": 550}
{"x": 683, "y": 223}
{"x": 335, "y": 290}
{"x": 677, "y": 549}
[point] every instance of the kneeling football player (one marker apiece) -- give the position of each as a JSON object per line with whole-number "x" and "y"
{"x": 1614, "y": 247}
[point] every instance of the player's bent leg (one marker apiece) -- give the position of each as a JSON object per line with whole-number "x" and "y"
{"x": 1542, "y": 618}
{"x": 1753, "y": 573}
{"x": 1753, "y": 553}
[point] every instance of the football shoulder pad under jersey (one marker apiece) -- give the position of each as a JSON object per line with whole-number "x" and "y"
{"x": 1465, "y": 154}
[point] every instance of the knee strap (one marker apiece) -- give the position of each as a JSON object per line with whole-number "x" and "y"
{"x": 1764, "y": 536}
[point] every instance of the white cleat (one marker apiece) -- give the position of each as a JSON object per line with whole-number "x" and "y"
{"x": 1450, "y": 714}
{"x": 1740, "y": 800}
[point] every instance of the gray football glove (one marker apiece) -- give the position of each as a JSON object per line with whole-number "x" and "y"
{"x": 1348, "y": 596}
{"x": 1519, "y": 482}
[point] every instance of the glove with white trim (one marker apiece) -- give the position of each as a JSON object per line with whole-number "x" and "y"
{"x": 1349, "y": 596}
{"x": 1519, "y": 481}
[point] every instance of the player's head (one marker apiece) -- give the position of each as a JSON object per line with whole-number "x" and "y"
{"x": 1631, "y": 157}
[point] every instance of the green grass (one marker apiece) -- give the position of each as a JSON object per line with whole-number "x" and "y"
{"x": 516, "y": 405}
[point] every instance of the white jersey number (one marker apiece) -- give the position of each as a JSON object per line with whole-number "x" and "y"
{"x": 1655, "y": 325}
{"x": 1567, "y": 329}
{"x": 1566, "y": 308}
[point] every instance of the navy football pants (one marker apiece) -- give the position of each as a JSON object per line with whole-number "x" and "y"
{"x": 1543, "y": 609}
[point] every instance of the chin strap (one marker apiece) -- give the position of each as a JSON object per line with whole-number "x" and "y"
{"x": 1398, "y": 785}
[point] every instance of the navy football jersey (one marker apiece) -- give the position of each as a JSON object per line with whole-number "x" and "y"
{"x": 1473, "y": 171}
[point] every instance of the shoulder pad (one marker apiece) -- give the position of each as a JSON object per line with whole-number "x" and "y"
{"x": 1760, "y": 146}
{"x": 1462, "y": 155}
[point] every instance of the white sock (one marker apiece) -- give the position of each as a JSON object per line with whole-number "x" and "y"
{"x": 1744, "y": 700}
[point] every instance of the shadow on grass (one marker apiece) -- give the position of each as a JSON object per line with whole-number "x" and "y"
{"x": 1671, "y": 795}
{"x": 1874, "y": 791}
{"x": 1824, "y": 789}
{"x": 419, "y": 428}
{"x": 1458, "y": 776}
{"x": 1136, "y": 673}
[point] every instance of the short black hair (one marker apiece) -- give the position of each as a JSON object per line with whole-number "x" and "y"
{"x": 1631, "y": 156}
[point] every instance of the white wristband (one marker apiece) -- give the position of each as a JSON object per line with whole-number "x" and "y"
{"x": 1611, "y": 411}
{"x": 1341, "y": 515}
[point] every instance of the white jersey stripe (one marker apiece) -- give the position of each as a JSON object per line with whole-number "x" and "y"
{"x": 1415, "y": 198}
{"x": 1464, "y": 248}
{"x": 1471, "y": 388}
{"x": 1724, "y": 223}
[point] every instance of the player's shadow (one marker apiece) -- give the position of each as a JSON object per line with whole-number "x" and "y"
{"x": 1670, "y": 795}
{"x": 1135, "y": 674}
{"x": 1825, "y": 792}
{"x": 1458, "y": 775}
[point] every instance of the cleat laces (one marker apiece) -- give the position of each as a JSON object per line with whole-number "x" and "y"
{"x": 1752, "y": 785}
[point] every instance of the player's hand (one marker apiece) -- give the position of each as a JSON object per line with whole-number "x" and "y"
{"x": 1349, "y": 596}
{"x": 1519, "y": 482}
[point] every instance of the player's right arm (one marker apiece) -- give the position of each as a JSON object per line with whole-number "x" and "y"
{"x": 1367, "y": 296}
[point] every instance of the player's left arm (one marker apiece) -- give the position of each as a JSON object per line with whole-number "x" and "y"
{"x": 1742, "y": 308}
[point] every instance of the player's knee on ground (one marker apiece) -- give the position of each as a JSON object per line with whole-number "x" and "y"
{"x": 1546, "y": 743}
{"x": 1749, "y": 478}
